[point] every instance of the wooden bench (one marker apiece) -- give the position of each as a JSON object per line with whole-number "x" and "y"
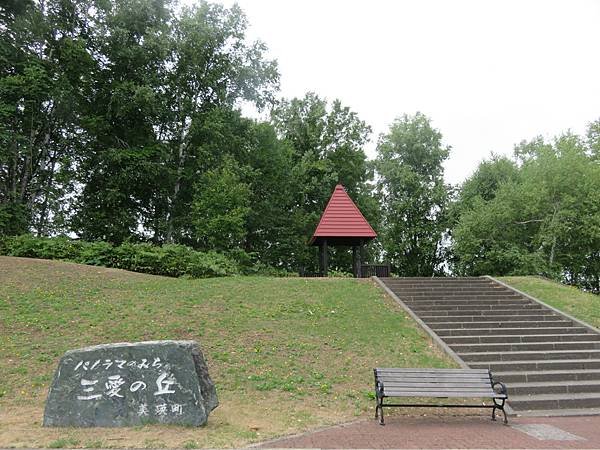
{"x": 438, "y": 383}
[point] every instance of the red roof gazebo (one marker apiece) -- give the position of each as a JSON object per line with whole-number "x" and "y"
{"x": 342, "y": 223}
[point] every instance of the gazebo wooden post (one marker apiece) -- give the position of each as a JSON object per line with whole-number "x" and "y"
{"x": 323, "y": 258}
{"x": 360, "y": 257}
{"x": 357, "y": 259}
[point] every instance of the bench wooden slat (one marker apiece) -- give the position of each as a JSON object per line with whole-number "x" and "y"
{"x": 434, "y": 380}
{"x": 444, "y": 393}
{"x": 434, "y": 375}
{"x": 435, "y": 385}
{"x": 438, "y": 371}
{"x": 416, "y": 377}
{"x": 444, "y": 377}
{"x": 388, "y": 392}
{"x": 438, "y": 388}
{"x": 440, "y": 374}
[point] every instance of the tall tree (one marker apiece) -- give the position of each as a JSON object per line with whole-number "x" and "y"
{"x": 170, "y": 77}
{"x": 413, "y": 195}
{"x": 327, "y": 143}
{"x": 545, "y": 220}
{"x": 593, "y": 139}
{"x": 45, "y": 69}
{"x": 220, "y": 209}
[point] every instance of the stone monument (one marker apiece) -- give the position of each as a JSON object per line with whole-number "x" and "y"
{"x": 128, "y": 384}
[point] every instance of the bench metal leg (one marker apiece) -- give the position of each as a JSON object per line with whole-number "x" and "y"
{"x": 379, "y": 411}
{"x": 501, "y": 389}
{"x": 379, "y": 396}
{"x": 501, "y": 408}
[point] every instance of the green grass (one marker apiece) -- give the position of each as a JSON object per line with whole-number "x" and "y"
{"x": 569, "y": 299}
{"x": 286, "y": 354}
{"x": 63, "y": 443}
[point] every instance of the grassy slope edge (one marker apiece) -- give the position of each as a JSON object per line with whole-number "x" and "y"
{"x": 581, "y": 305}
{"x": 286, "y": 354}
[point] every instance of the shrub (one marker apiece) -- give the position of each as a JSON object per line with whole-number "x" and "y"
{"x": 96, "y": 254}
{"x": 269, "y": 271}
{"x": 210, "y": 264}
{"x": 31, "y": 247}
{"x": 168, "y": 260}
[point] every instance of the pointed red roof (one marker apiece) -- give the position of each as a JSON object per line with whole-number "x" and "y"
{"x": 342, "y": 218}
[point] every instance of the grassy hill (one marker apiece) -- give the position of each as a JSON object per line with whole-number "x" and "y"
{"x": 286, "y": 354}
{"x": 569, "y": 299}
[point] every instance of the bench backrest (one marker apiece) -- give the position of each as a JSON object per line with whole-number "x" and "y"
{"x": 435, "y": 382}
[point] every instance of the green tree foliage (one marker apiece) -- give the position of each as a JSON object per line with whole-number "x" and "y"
{"x": 544, "y": 216}
{"x": 486, "y": 180}
{"x": 413, "y": 195}
{"x": 327, "y": 143}
{"x": 121, "y": 122}
{"x": 220, "y": 208}
{"x": 108, "y": 108}
{"x": 270, "y": 235}
{"x": 593, "y": 140}
{"x": 163, "y": 113}
{"x": 168, "y": 260}
{"x": 44, "y": 73}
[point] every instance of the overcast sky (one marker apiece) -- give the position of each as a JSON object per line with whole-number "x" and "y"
{"x": 487, "y": 73}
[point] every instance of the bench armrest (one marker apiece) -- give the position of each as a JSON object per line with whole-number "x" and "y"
{"x": 379, "y": 388}
{"x": 501, "y": 388}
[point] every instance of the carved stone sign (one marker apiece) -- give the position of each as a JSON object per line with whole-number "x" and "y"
{"x": 130, "y": 384}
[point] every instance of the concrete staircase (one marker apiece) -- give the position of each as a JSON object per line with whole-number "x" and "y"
{"x": 550, "y": 364}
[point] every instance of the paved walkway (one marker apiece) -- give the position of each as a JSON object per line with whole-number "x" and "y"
{"x": 454, "y": 432}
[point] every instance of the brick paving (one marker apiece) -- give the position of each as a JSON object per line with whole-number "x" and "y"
{"x": 464, "y": 432}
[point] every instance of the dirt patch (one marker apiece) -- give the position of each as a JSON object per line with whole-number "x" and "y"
{"x": 234, "y": 423}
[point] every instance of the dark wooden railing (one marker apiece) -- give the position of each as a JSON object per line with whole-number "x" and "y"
{"x": 378, "y": 270}
{"x": 305, "y": 273}
{"x": 366, "y": 271}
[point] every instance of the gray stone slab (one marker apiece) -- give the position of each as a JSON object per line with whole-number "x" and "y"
{"x": 545, "y": 432}
{"x": 128, "y": 384}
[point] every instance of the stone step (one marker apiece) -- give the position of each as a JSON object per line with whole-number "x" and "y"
{"x": 460, "y": 296}
{"x": 435, "y": 279}
{"x": 501, "y": 324}
{"x": 469, "y": 303}
{"x": 555, "y": 401}
{"x": 485, "y": 313}
{"x": 529, "y": 346}
{"x": 447, "y": 286}
{"x": 541, "y": 376}
{"x": 452, "y": 291}
{"x": 441, "y": 287}
{"x": 516, "y": 339}
{"x": 482, "y": 309}
{"x": 482, "y": 290}
{"x": 492, "y": 318}
{"x": 553, "y": 387}
{"x": 442, "y": 332}
{"x": 461, "y": 301}
{"x": 534, "y": 365}
{"x": 547, "y": 355}
{"x": 476, "y": 303}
